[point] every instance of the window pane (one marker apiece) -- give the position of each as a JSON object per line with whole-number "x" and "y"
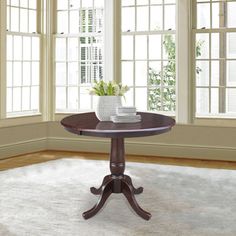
{"x": 35, "y": 98}
{"x": 16, "y": 99}
{"x": 73, "y": 49}
{"x": 202, "y": 74}
{"x": 215, "y": 47}
{"x": 17, "y": 73}
{"x": 202, "y": 101}
{"x": 141, "y": 73}
{"x": 215, "y": 100}
{"x": 169, "y": 21}
{"x": 35, "y": 73}
{"x": 60, "y": 49}
{"x": 14, "y": 19}
{"x": 168, "y": 99}
{"x": 27, "y": 48}
{"x": 74, "y": 22}
{"x": 202, "y": 46}
{"x": 73, "y": 73}
{"x": 9, "y": 100}
{"x": 85, "y": 99}
{"x": 127, "y": 73}
{"x": 32, "y": 21}
{"x": 141, "y": 98}
{"x": 74, "y": 4}
{"x": 62, "y": 4}
{"x": 25, "y": 98}
{"x": 87, "y": 3}
{"x": 26, "y": 73}
{"x": 231, "y": 100}
{"x": 127, "y": 48}
{"x": 155, "y": 47}
{"x": 169, "y": 47}
{"x": 24, "y": 3}
{"x": 155, "y": 74}
{"x": 231, "y": 45}
{"x": 17, "y": 48}
{"x": 128, "y": 19}
{"x": 35, "y": 48}
{"x": 231, "y": 73}
{"x": 9, "y": 47}
{"x": 155, "y": 99}
{"x": 142, "y": 18}
{"x": 60, "y": 73}
{"x": 129, "y": 98}
{"x": 215, "y": 73}
{"x": 61, "y": 98}
{"x": 127, "y": 2}
{"x": 203, "y": 15}
{"x": 15, "y": 3}
{"x": 141, "y": 47}
{"x": 73, "y": 97}
{"x": 32, "y": 4}
{"x": 215, "y": 15}
{"x": 23, "y": 20}
{"x": 142, "y": 2}
{"x": 231, "y": 14}
{"x": 156, "y": 18}
{"x": 9, "y": 74}
{"x": 62, "y": 22}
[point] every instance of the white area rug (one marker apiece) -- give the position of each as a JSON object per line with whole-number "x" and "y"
{"x": 48, "y": 199}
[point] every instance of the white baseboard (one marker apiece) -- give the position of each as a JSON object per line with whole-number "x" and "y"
{"x": 146, "y": 149}
{"x": 14, "y": 149}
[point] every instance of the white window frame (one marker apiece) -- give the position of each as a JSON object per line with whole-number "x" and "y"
{"x": 208, "y": 120}
{"x": 109, "y": 52}
{"x": 21, "y": 118}
{"x": 148, "y": 34}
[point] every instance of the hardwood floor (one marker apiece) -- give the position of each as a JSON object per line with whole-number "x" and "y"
{"x": 44, "y": 156}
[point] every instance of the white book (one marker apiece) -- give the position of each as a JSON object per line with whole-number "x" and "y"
{"x": 125, "y": 110}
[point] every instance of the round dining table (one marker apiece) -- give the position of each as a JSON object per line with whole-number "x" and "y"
{"x": 117, "y": 182}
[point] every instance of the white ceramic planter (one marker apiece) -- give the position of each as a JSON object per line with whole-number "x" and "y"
{"x": 106, "y": 107}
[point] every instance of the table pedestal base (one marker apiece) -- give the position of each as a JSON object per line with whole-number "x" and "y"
{"x": 117, "y": 184}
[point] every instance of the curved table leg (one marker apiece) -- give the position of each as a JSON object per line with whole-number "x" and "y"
{"x": 106, "y": 192}
{"x": 129, "y": 194}
{"x": 98, "y": 191}
{"x": 135, "y": 190}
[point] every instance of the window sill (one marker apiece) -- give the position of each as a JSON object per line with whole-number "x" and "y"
{"x": 21, "y": 120}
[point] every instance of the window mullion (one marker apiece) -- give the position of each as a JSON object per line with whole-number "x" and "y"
{"x": 222, "y": 82}
{"x": 183, "y": 82}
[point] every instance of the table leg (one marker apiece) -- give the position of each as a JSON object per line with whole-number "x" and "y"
{"x": 117, "y": 182}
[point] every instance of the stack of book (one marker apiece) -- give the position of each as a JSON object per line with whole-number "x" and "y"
{"x": 126, "y": 115}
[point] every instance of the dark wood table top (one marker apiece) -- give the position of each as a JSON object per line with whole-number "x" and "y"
{"x": 88, "y": 124}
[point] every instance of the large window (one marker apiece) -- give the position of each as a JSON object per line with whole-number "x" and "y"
{"x": 79, "y": 53}
{"x": 23, "y": 57}
{"x": 53, "y": 50}
{"x": 215, "y": 57}
{"x": 148, "y": 53}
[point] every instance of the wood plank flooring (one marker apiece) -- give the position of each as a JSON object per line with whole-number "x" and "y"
{"x": 39, "y": 157}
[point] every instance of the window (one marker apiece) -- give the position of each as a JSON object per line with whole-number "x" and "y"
{"x": 215, "y": 57}
{"x": 23, "y": 58}
{"x": 148, "y": 53}
{"x": 79, "y": 53}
